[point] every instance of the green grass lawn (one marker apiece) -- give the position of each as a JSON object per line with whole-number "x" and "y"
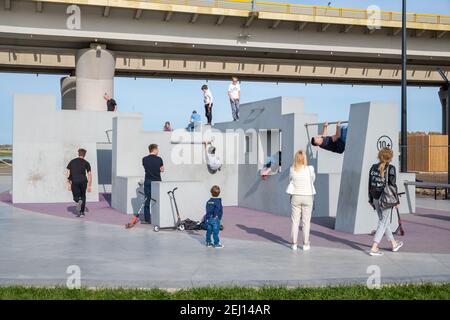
{"x": 403, "y": 292}
{"x": 5, "y": 153}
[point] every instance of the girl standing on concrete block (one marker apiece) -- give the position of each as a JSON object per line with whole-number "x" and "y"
{"x": 380, "y": 174}
{"x": 302, "y": 191}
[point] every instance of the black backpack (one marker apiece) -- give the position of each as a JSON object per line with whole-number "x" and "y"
{"x": 191, "y": 224}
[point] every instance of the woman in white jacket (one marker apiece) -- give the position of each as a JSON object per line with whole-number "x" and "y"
{"x": 301, "y": 189}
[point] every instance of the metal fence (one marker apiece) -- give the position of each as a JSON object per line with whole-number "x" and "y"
{"x": 279, "y": 7}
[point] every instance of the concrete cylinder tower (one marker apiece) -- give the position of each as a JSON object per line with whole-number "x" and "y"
{"x": 94, "y": 77}
{"x": 68, "y": 93}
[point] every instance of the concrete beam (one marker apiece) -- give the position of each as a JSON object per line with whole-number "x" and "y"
{"x": 39, "y": 6}
{"x": 302, "y": 25}
{"x": 106, "y": 11}
{"x": 168, "y": 16}
{"x": 220, "y": 20}
{"x": 419, "y": 33}
{"x": 194, "y": 18}
{"x": 395, "y": 32}
{"x": 7, "y": 4}
{"x": 441, "y": 34}
{"x": 138, "y": 14}
{"x": 249, "y": 21}
{"x": 275, "y": 24}
{"x": 323, "y": 27}
{"x": 221, "y": 67}
{"x": 346, "y": 28}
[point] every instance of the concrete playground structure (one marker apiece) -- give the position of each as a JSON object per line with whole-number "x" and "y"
{"x": 47, "y": 139}
{"x": 275, "y": 128}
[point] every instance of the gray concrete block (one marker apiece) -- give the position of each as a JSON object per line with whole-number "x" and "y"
{"x": 371, "y": 126}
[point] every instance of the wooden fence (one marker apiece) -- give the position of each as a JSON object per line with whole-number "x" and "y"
{"x": 427, "y": 153}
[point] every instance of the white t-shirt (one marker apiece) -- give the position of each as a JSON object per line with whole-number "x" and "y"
{"x": 213, "y": 161}
{"x": 233, "y": 90}
{"x": 207, "y": 97}
{"x": 302, "y": 181}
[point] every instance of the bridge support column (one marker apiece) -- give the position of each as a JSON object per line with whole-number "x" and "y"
{"x": 94, "y": 70}
{"x": 68, "y": 93}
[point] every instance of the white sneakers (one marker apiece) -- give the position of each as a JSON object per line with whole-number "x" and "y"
{"x": 306, "y": 247}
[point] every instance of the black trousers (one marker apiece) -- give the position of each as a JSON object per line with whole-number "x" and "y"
{"x": 208, "y": 112}
{"x": 79, "y": 193}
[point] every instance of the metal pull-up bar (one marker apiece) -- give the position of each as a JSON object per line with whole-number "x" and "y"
{"x": 321, "y": 123}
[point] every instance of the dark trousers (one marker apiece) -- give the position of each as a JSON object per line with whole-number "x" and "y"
{"x": 208, "y": 112}
{"x": 79, "y": 193}
{"x": 148, "y": 198}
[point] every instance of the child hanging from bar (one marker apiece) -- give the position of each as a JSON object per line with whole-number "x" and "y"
{"x": 335, "y": 143}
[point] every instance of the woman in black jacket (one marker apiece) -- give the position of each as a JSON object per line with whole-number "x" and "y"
{"x": 377, "y": 176}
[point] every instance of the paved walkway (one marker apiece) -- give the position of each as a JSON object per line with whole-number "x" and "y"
{"x": 37, "y": 249}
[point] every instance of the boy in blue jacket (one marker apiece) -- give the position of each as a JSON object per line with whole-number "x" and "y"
{"x": 214, "y": 212}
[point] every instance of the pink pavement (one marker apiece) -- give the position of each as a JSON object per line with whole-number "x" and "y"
{"x": 426, "y": 231}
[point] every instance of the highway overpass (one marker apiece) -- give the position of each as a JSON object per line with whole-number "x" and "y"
{"x": 215, "y": 39}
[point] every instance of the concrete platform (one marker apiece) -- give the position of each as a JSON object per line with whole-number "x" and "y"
{"x": 39, "y": 245}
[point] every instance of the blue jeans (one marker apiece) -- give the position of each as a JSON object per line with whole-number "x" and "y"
{"x": 235, "y": 109}
{"x": 344, "y": 129}
{"x": 148, "y": 197}
{"x": 213, "y": 228}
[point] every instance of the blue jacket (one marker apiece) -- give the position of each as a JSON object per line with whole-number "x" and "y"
{"x": 214, "y": 208}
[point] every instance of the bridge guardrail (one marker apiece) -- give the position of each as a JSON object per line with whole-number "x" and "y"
{"x": 279, "y": 7}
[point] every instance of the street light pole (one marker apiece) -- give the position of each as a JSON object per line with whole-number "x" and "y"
{"x": 404, "y": 127}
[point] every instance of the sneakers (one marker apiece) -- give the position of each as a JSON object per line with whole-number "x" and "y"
{"x": 398, "y": 246}
{"x": 377, "y": 253}
{"x": 81, "y": 215}
{"x": 209, "y": 244}
{"x": 218, "y": 246}
{"x": 306, "y": 247}
{"x": 294, "y": 247}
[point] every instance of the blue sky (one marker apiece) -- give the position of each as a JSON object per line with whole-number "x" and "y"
{"x": 162, "y": 99}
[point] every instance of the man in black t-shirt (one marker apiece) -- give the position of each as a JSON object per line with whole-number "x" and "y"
{"x": 334, "y": 143}
{"x": 153, "y": 166}
{"x": 79, "y": 176}
{"x": 110, "y": 103}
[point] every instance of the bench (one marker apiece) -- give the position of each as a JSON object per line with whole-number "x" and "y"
{"x": 430, "y": 185}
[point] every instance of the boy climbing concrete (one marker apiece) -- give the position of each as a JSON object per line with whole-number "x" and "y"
{"x": 213, "y": 217}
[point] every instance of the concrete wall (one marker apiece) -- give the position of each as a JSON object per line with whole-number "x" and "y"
{"x": 372, "y": 125}
{"x": 190, "y": 204}
{"x": 46, "y": 139}
{"x": 287, "y": 114}
{"x": 183, "y": 160}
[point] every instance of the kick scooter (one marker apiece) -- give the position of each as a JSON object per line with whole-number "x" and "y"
{"x": 137, "y": 216}
{"x": 179, "y": 225}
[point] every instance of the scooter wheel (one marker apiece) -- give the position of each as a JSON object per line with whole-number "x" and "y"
{"x": 156, "y": 228}
{"x": 181, "y": 227}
